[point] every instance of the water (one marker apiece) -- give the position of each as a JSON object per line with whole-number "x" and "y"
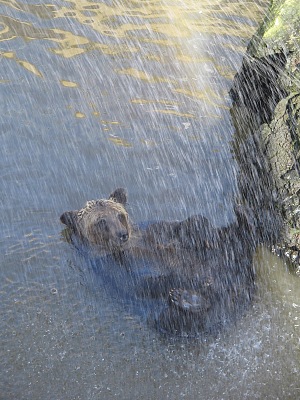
{"x": 96, "y": 95}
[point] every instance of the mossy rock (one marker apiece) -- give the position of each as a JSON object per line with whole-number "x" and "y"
{"x": 268, "y": 88}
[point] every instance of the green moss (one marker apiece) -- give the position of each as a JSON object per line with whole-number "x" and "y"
{"x": 285, "y": 21}
{"x": 279, "y": 31}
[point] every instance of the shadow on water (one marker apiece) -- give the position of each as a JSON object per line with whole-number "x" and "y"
{"x": 99, "y": 95}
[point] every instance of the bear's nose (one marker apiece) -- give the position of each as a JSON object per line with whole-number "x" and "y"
{"x": 123, "y": 237}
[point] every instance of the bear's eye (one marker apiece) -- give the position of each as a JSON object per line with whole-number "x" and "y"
{"x": 122, "y": 218}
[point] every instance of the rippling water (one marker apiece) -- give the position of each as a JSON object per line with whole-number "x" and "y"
{"x": 100, "y": 94}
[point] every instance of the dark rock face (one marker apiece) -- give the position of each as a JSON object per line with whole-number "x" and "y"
{"x": 201, "y": 277}
{"x": 281, "y": 143}
{"x": 266, "y": 104}
{"x": 255, "y": 86}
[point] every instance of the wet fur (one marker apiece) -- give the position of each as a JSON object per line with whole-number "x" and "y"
{"x": 103, "y": 223}
{"x": 205, "y": 274}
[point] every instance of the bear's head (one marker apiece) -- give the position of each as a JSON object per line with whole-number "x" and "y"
{"x": 102, "y": 222}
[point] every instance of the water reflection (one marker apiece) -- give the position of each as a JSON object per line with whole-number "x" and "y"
{"x": 157, "y": 60}
{"x": 141, "y": 31}
{"x": 155, "y": 42}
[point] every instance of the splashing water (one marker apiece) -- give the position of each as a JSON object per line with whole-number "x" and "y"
{"x": 101, "y": 94}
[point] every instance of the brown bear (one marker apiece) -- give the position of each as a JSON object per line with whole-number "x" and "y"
{"x": 102, "y": 223}
{"x": 203, "y": 274}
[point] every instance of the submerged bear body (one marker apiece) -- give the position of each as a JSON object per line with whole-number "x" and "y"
{"x": 202, "y": 276}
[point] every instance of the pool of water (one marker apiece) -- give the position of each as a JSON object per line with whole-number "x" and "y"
{"x": 101, "y": 94}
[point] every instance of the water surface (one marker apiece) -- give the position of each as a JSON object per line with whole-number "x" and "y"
{"x": 101, "y": 94}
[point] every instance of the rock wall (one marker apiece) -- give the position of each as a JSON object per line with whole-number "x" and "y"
{"x": 266, "y": 109}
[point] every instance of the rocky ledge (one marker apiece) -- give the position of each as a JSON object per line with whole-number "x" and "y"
{"x": 266, "y": 110}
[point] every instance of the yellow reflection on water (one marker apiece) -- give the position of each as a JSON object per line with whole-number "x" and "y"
{"x": 110, "y": 122}
{"x": 8, "y": 54}
{"x": 159, "y": 33}
{"x": 119, "y": 141}
{"x": 79, "y": 114}
{"x": 169, "y": 18}
{"x": 146, "y": 101}
{"x": 173, "y": 112}
{"x": 156, "y": 22}
{"x": 25, "y": 64}
{"x": 40, "y": 10}
{"x": 30, "y": 67}
{"x": 206, "y": 94}
{"x": 68, "y": 84}
{"x": 144, "y": 76}
{"x": 171, "y": 107}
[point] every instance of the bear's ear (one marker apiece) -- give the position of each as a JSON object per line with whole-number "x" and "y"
{"x": 119, "y": 196}
{"x": 69, "y": 218}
